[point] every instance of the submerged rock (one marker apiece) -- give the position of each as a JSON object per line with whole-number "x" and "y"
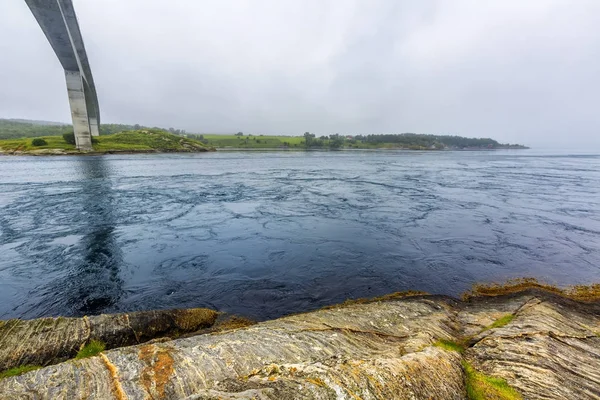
{"x": 536, "y": 344}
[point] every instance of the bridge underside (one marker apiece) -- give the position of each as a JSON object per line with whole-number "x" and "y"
{"x": 59, "y": 23}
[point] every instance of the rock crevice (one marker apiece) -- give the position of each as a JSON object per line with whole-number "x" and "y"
{"x": 47, "y": 341}
{"x": 389, "y": 349}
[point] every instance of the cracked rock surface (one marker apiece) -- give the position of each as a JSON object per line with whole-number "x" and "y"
{"x": 550, "y": 350}
{"x": 378, "y": 350}
{"x": 46, "y": 341}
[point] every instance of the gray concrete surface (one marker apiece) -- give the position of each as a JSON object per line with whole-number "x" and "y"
{"x": 59, "y": 23}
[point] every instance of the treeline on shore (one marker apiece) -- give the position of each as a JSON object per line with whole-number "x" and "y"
{"x": 409, "y": 141}
{"x": 12, "y": 129}
{"x": 435, "y": 141}
{"x": 412, "y": 141}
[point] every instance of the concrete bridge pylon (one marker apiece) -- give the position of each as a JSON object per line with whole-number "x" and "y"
{"x": 59, "y": 23}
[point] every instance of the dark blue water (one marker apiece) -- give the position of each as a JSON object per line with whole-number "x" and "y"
{"x": 266, "y": 234}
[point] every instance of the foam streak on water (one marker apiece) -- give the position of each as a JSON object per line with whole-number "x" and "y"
{"x": 267, "y": 233}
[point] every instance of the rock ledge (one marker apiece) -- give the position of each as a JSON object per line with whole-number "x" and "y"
{"x": 542, "y": 345}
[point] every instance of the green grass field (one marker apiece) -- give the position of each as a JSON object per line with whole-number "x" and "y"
{"x": 281, "y": 142}
{"x": 142, "y": 140}
{"x": 24, "y": 144}
{"x": 156, "y": 140}
{"x": 162, "y": 141}
{"x": 254, "y": 142}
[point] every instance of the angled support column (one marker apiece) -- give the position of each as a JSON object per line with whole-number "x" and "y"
{"x": 92, "y": 106}
{"x": 59, "y": 23}
{"x": 79, "y": 114}
{"x": 94, "y": 128}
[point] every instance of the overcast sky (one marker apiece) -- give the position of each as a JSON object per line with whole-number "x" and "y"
{"x": 525, "y": 71}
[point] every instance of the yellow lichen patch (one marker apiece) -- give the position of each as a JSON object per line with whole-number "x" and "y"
{"x": 387, "y": 297}
{"x": 585, "y": 292}
{"x": 158, "y": 369}
{"x": 272, "y": 369}
{"x": 233, "y": 322}
{"x": 316, "y": 381}
{"x": 194, "y": 318}
{"x": 580, "y": 292}
{"x": 117, "y": 389}
{"x": 482, "y": 387}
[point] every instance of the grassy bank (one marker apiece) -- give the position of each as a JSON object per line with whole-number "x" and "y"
{"x": 407, "y": 141}
{"x": 253, "y": 142}
{"x": 17, "y": 136}
{"x": 129, "y": 141}
{"x": 292, "y": 143}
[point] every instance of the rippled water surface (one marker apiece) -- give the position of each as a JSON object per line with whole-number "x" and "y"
{"x": 269, "y": 233}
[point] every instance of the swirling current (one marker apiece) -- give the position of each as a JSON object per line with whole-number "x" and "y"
{"x": 264, "y": 234}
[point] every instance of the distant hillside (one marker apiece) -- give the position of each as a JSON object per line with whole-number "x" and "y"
{"x": 21, "y": 128}
{"x": 24, "y": 128}
{"x": 13, "y": 128}
{"x": 417, "y": 141}
{"x": 16, "y": 128}
{"x": 404, "y": 141}
{"x": 35, "y": 121}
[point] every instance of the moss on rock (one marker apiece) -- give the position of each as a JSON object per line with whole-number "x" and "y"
{"x": 482, "y": 387}
{"x": 94, "y": 347}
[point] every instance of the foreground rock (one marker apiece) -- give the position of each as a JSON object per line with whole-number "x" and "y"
{"x": 47, "y": 341}
{"x": 541, "y": 345}
{"x": 550, "y": 349}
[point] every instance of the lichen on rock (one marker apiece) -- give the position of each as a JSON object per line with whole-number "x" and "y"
{"x": 46, "y": 341}
{"x": 531, "y": 344}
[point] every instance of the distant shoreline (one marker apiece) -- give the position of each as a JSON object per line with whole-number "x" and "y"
{"x": 58, "y": 152}
{"x": 161, "y": 141}
{"x": 130, "y": 142}
{"x": 34, "y": 153}
{"x": 363, "y": 149}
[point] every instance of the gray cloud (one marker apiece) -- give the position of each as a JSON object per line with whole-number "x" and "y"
{"x": 517, "y": 71}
